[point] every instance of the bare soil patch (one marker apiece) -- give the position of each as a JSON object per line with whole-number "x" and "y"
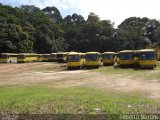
{"x": 39, "y": 74}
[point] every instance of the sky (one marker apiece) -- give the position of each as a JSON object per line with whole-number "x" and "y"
{"x": 115, "y": 10}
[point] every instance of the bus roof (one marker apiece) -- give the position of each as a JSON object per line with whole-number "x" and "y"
{"x": 53, "y": 53}
{"x": 73, "y": 53}
{"x": 9, "y": 54}
{"x": 125, "y": 51}
{"x": 82, "y": 53}
{"x": 147, "y": 50}
{"x": 27, "y": 54}
{"x": 109, "y": 53}
{"x": 62, "y": 52}
{"x": 45, "y": 54}
{"x": 92, "y": 53}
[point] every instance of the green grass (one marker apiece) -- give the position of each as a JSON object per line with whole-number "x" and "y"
{"x": 35, "y": 99}
{"x": 41, "y": 99}
{"x": 146, "y": 74}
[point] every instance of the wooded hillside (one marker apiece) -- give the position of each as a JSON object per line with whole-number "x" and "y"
{"x": 31, "y": 29}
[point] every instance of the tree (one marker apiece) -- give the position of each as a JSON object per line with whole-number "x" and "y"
{"x": 93, "y": 18}
{"x": 53, "y": 13}
{"x": 30, "y": 29}
{"x": 74, "y": 19}
{"x": 25, "y": 46}
{"x": 138, "y": 31}
{"x": 92, "y": 35}
{"x": 11, "y": 36}
{"x": 30, "y": 9}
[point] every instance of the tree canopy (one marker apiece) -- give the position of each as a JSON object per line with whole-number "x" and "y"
{"x": 31, "y": 29}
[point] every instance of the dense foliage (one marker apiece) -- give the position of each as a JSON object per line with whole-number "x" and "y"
{"x": 30, "y": 29}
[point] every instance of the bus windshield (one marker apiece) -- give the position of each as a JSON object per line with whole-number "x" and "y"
{"x": 4, "y": 56}
{"x": 108, "y": 56}
{"x": 73, "y": 58}
{"x": 59, "y": 55}
{"x": 52, "y": 55}
{"x": 92, "y": 57}
{"x": 147, "y": 56}
{"x": 45, "y": 56}
{"x": 21, "y": 56}
{"x": 126, "y": 56}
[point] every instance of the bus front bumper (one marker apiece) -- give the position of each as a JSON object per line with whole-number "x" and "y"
{"x": 108, "y": 62}
{"x": 73, "y": 64}
{"x": 92, "y": 63}
{"x": 147, "y": 63}
{"x": 126, "y": 62}
{"x": 21, "y": 61}
{"x": 3, "y": 60}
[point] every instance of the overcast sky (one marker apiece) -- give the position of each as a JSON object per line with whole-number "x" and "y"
{"x": 114, "y": 10}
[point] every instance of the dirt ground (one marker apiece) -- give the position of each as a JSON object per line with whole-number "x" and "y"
{"x": 52, "y": 75}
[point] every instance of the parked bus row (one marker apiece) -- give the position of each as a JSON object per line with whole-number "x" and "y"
{"x": 145, "y": 58}
{"x": 138, "y": 58}
{"x": 27, "y": 57}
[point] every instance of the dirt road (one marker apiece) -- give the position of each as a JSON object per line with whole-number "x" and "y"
{"x": 53, "y": 75}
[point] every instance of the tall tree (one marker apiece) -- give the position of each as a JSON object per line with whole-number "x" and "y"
{"x": 53, "y": 13}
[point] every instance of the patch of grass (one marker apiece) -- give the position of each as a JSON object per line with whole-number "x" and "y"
{"x": 146, "y": 74}
{"x": 111, "y": 70}
{"x": 35, "y": 99}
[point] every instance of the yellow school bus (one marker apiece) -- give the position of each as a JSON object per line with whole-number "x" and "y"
{"x": 26, "y": 57}
{"x": 136, "y": 57}
{"x": 62, "y": 57}
{"x": 83, "y": 55}
{"x": 75, "y": 60}
{"x": 45, "y": 57}
{"x": 125, "y": 58}
{"x": 39, "y": 57}
{"x": 156, "y": 47}
{"x": 147, "y": 58}
{"x": 158, "y": 55}
{"x": 108, "y": 58}
{"x": 92, "y": 59}
{"x": 8, "y": 58}
{"x": 53, "y": 57}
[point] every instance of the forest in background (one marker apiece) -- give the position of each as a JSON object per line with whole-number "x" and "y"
{"x": 31, "y": 29}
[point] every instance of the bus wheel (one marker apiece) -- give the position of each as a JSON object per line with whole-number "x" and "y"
{"x": 69, "y": 68}
{"x": 97, "y": 66}
{"x": 152, "y": 68}
{"x": 80, "y": 67}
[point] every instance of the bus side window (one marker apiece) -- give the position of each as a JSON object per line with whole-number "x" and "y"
{"x": 81, "y": 56}
{"x": 138, "y": 55}
{"x": 134, "y": 55}
{"x": 113, "y": 56}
